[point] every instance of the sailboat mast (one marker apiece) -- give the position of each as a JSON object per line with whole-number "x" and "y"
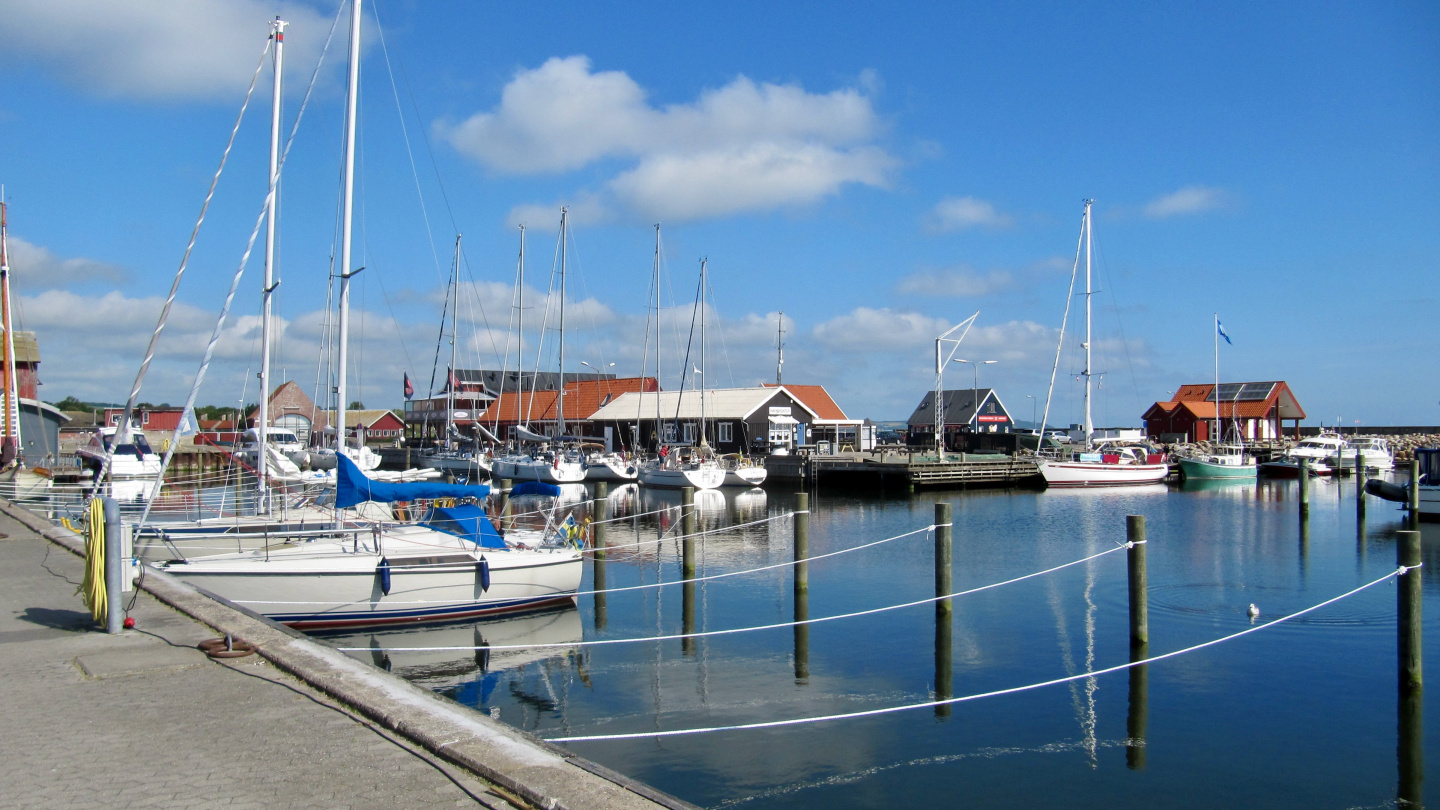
{"x": 352, "y": 98}
{"x": 560, "y": 395}
{"x": 1216, "y": 437}
{"x": 272, "y": 203}
{"x": 519, "y": 341}
{"x": 659, "y": 433}
{"x": 703, "y": 382}
{"x": 12, "y": 389}
{"x": 454, "y": 340}
{"x": 1089, "y": 422}
{"x": 780, "y": 348}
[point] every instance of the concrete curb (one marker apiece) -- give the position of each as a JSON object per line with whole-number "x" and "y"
{"x": 543, "y": 774}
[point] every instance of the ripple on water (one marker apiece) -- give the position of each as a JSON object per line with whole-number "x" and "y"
{"x": 1216, "y": 600}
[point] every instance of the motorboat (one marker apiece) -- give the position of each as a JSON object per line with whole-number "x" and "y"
{"x": 1287, "y": 467}
{"x": 454, "y": 563}
{"x": 1375, "y": 451}
{"x": 1427, "y": 459}
{"x": 131, "y": 458}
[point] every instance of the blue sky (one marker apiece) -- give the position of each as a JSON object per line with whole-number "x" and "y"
{"x": 876, "y": 173}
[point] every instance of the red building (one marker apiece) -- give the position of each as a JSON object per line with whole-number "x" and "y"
{"x": 1258, "y": 410}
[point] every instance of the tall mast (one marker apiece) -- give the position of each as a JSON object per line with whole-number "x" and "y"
{"x": 560, "y": 395}
{"x": 351, "y": 102}
{"x": 1089, "y": 423}
{"x": 519, "y": 341}
{"x": 703, "y": 381}
{"x": 659, "y": 433}
{"x": 12, "y": 388}
{"x": 780, "y": 349}
{"x": 1216, "y": 437}
{"x": 454, "y": 339}
{"x": 272, "y": 202}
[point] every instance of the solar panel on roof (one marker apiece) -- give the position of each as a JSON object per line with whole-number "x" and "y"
{"x": 1246, "y": 392}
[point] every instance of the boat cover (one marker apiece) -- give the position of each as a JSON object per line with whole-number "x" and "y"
{"x": 353, "y": 487}
{"x": 534, "y": 488}
{"x": 466, "y": 520}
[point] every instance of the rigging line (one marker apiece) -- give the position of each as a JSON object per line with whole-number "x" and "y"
{"x": 405, "y": 133}
{"x": 480, "y": 304}
{"x": 979, "y": 695}
{"x": 645, "y": 587}
{"x": 735, "y": 630}
{"x": 719, "y": 325}
{"x": 1124, "y": 344}
{"x": 1060, "y": 345}
{"x": 124, "y": 430}
{"x": 425, "y": 138}
{"x": 694, "y": 312}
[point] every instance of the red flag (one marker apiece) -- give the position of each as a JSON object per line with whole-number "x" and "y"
{"x": 454, "y": 381}
{"x": 409, "y": 389}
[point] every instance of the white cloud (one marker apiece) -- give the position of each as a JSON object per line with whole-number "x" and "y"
{"x": 954, "y": 282}
{"x": 959, "y": 213}
{"x": 742, "y": 147}
{"x": 161, "y": 49}
{"x": 871, "y": 330}
{"x": 35, "y": 267}
{"x": 1188, "y": 200}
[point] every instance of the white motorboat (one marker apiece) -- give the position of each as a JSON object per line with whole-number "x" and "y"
{"x": 128, "y": 460}
{"x": 453, "y": 564}
{"x": 743, "y": 471}
{"x": 1107, "y": 463}
{"x": 610, "y": 467}
{"x": 1286, "y": 467}
{"x": 1375, "y": 451}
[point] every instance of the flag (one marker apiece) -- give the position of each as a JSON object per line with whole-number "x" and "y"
{"x": 187, "y": 423}
{"x": 454, "y": 381}
{"x": 409, "y": 389}
{"x": 1221, "y": 329}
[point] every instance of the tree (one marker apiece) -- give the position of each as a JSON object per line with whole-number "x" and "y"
{"x": 357, "y": 405}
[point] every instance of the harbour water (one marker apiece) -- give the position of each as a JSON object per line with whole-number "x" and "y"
{"x": 1303, "y": 714}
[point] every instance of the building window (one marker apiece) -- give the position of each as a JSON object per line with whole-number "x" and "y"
{"x": 669, "y": 432}
{"x": 725, "y": 432}
{"x": 689, "y": 432}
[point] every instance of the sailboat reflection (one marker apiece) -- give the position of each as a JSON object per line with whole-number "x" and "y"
{"x": 435, "y": 669}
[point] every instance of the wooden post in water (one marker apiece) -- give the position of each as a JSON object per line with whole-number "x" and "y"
{"x": 1304, "y": 473}
{"x": 687, "y": 528}
{"x": 687, "y": 617}
{"x": 802, "y": 637}
{"x": 944, "y": 609}
{"x": 504, "y": 503}
{"x": 1135, "y": 563}
{"x": 1414, "y": 504}
{"x": 598, "y": 527}
{"x": 1360, "y": 486}
{"x": 1411, "y": 748}
{"x": 1408, "y": 616}
{"x": 1135, "y": 719}
{"x": 802, "y": 541}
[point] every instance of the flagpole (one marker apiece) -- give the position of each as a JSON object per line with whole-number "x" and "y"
{"x": 1216, "y": 437}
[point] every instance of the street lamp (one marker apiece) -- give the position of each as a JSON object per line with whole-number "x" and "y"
{"x": 1033, "y": 403}
{"x": 975, "y": 389}
{"x": 596, "y": 370}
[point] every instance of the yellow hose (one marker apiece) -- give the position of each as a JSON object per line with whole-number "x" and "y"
{"x": 93, "y": 588}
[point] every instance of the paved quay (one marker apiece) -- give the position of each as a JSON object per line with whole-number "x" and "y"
{"x": 144, "y": 719}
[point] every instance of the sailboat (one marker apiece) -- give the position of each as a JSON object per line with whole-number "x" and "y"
{"x": 451, "y": 455}
{"x": 1224, "y": 460}
{"x": 684, "y": 465}
{"x": 1107, "y": 463}
{"x": 451, "y": 564}
{"x": 551, "y": 460}
{"x": 20, "y": 480}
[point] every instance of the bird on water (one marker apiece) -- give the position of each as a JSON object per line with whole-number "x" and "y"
{"x": 1253, "y": 612}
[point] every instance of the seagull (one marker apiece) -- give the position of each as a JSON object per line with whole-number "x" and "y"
{"x": 1253, "y": 611}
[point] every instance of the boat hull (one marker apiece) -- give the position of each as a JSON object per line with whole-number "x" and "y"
{"x": 1093, "y": 474}
{"x": 745, "y": 477}
{"x": 566, "y": 472}
{"x": 608, "y": 470}
{"x": 1192, "y": 468}
{"x": 704, "y": 477}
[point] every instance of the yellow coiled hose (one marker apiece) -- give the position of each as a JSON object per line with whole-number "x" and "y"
{"x": 93, "y": 588}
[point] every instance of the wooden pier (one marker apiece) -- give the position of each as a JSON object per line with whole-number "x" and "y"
{"x": 890, "y": 470}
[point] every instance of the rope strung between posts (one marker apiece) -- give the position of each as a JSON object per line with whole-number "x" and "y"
{"x": 647, "y": 586}
{"x": 995, "y": 693}
{"x": 734, "y": 630}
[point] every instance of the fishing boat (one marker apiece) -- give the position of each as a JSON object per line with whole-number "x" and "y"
{"x": 1221, "y": 460}
{"x": 454, "y": 563}
{"x": 1108, "y": 463}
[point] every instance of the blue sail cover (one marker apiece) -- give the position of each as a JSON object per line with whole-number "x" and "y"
{"x": 352, "y": 487}
{"x": 467, "y": 521}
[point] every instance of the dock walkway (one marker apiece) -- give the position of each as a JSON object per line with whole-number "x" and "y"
{"x": 892, "y": 470}
{"x": 144, "y": 719}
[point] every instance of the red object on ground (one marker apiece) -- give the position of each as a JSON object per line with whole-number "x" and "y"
{"x": 129, "y": 623}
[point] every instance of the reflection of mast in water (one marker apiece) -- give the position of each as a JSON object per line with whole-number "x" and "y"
{"x": 1084, "y": 708}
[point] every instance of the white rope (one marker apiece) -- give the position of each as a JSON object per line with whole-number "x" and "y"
{"x": 630, "y": 587}
{"x": 979, "y": 695}
{"x": 734, "y": 630}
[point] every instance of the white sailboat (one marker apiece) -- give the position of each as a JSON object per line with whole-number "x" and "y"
{"x": 552, "y": 461}
{"x": 684, "y": 465}
{"x": 1224, "y": 460}
{"x": 1105, "y": 463}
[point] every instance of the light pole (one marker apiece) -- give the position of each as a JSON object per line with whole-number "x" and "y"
{"x": 975, "y": 389}
{"x": 600, "y": 370}
{"x": 1033, "y": 404}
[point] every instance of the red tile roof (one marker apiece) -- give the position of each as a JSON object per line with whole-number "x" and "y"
{"x": 582, "y": 398}
{"x": 816, "y": 398}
